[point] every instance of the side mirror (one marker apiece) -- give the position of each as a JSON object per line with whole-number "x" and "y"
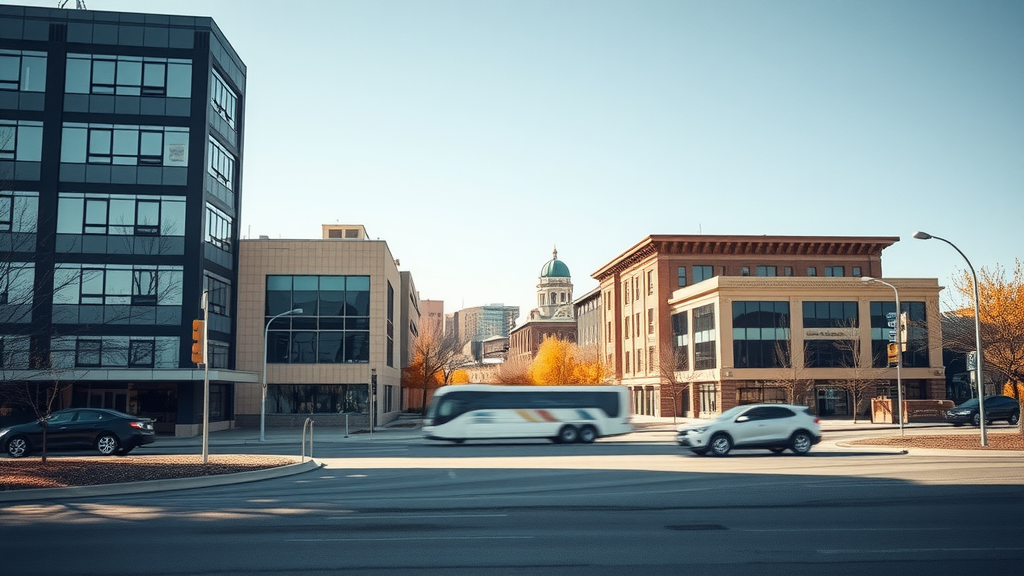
{"x": 743, "y": 418}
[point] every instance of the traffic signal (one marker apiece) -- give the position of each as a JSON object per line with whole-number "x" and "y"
{"x": 198, "y": 342}
{"x": 894, "y": 354}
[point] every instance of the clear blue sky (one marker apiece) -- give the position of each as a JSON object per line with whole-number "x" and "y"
{"x": 475, "y": 135}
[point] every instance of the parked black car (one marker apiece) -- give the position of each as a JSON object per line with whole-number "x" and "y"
{"x": 108, "y": 431}
{"x": 996, "y": 408}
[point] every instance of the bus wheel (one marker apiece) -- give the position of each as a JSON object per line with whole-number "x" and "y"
{"x": 568, "y": 435}
{"x": 588, "y": 434}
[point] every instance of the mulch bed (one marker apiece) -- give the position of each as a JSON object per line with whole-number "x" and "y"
{"x": 31, "y": 472}
{"x": 1001, "y": 441}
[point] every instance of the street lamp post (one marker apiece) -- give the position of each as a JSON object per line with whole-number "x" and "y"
{"x": 977, "y": 333}
{"x": 263, "y": 399}
{"x": 899, "y": 348}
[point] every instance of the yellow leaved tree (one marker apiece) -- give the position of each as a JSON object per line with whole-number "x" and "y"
{"x": 560, "y": 362}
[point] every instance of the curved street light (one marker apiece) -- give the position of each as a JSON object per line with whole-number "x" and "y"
{"x": 977, "y": 332}
{"x": 263, "y": 400}
{"x": 899, "y": 348}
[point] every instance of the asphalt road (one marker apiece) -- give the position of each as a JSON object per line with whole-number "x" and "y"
{"x": 413, "y": 508}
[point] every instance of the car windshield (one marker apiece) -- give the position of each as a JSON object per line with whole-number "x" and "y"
{"x": 970, "y": 403}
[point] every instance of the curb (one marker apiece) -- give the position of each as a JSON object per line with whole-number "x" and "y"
{"x": 36, "y": 494}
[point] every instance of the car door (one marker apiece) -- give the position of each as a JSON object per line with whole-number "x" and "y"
{"x": 748, "y": 427}
{"x": 778, "y": 423}
{"x": 84, "y": 427}
{"x": 60, "y": 432}
{"x": 998, "y": 407}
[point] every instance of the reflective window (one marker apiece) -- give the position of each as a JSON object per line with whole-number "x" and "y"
{"x": 222, "y": 164}
{"x": 117, "y": 284}
{"x": 830, "y": 315}
{"x": 835, "y": 271}
{"x": 114, "y": 351}
{"x": 22, "y": 70}
{"x": 120, "y": 214}
{"x": 681, "y": 341}
{"x": 317, "y": 398}
{"x": 16, "y": 284}
{"x": 223, "y": 99}
{"x": 702, "y": 273}
{"x": 704, "y": 337}
{"x": 916, "y": 353}
{"x": 333, "y": 327}
{"x": 125, "y": 145}
{"x": 141, "y": 353}
{"x": 761, "y": 334}
{"x": 21, "y": 140}
{"x": 128, "y": 76}
{"x": 219, "y": 291}
{"x": 219, "y": 228}
{"x": 766, "y": 271}
{"x": 19, "y": 211}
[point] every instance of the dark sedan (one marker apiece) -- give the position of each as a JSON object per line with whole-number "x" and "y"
{"x": 996, "y": 408}
{"x": 108, "y": 431}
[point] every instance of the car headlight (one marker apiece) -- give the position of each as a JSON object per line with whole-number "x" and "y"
{"x": 700, "y": 430}
{"x": 4, "y": 432}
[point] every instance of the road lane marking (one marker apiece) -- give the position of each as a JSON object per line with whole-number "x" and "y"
{"x": 403, "y": 517}
{"x": 840, "y": 529}
{"x": 411, "y": 539}
{"x": 916, "y": 550}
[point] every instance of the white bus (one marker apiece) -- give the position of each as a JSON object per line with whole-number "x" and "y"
{"x": 560, "y": 413}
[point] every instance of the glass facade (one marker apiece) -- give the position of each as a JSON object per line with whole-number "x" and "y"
{"x": 317, "y": 398}
{"x": 681, "y": 340}
{"x": 333, "y": 327}
{"x": 916, "y": 354}
{"x": 839, "y": 348}
{"x": 761, "y": 334}
{"x": 704, "y": 337}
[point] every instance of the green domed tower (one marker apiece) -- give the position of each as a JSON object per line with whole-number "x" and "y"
{"x": 554, "y": 290}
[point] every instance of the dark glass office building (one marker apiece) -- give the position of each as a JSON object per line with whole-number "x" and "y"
{"x": 120, "y": 163}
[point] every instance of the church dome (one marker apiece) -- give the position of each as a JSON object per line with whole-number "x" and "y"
{"x": 555, "y": 268}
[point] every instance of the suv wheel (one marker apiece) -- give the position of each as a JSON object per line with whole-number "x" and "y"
{"x": 801, "y": 443}
{"x": 720, "y": 445}
{"x": 976, "y": 420}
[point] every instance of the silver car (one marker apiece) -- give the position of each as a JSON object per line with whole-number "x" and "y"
{"x": 775, "y": 427}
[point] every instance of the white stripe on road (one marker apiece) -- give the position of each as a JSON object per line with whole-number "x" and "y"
{"x": 410, "y": 539}
{"x": 916, "y": 550}
{"x": 403, "y": 517}
{"x": 839, "y": 529}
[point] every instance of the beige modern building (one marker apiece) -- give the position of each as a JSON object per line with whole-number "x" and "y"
{"x": 695, "y": 325}
{"x": 320, "y": 361}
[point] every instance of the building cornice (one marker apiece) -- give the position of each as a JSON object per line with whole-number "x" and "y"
{"x": 699, "y": 245}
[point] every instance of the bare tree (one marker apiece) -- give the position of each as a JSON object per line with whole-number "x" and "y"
{"x": 860, "y": 379}
{"x": 436, "y": 355}
{"x": 791, "y": 379}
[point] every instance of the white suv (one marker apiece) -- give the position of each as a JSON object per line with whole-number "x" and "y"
{"x": 772, "y": 426}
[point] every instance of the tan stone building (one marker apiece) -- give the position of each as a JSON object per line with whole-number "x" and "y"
{"x": 695, "y": 325}
{"x": 321, "y": 361}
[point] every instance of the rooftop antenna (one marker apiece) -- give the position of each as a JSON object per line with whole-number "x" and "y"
{"x": 79, "y": 4}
